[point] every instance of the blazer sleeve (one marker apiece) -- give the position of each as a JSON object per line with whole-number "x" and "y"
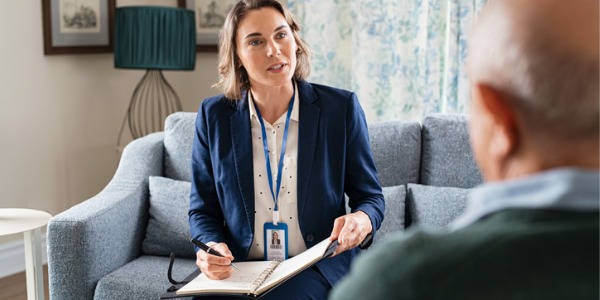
{"x": 205, "y": 215}
{"x": 361, "y": 183}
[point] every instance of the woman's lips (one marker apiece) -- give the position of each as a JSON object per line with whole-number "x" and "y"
{"x": 277, "y": 67}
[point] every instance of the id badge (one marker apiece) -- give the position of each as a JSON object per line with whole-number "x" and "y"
{"x": 276, "y": 241}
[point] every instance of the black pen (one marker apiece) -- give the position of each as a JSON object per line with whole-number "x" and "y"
{"x": 208, "y": 249}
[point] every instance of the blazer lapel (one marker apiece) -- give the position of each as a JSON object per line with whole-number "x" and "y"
{"x": 241, "y": 140}
{"x": 307, "y": 140}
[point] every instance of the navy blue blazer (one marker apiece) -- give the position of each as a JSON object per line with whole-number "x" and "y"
{"x": 334, "y": 157}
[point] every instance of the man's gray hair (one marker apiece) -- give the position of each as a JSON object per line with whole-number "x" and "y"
{"x": 552, "y": 88}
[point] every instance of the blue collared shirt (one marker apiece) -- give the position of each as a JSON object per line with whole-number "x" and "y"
{"x": 567, "y": 189}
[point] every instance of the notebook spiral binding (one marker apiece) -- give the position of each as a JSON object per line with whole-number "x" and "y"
{"x": 264, "y": 275}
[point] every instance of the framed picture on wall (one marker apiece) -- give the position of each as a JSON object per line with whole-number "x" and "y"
{"x": 210, "y": 16}
{"x": 78, "y": 26}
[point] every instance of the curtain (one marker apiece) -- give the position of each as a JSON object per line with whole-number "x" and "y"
{"x": 403, "y": 58}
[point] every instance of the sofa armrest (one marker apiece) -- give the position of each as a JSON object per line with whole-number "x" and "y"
{"x": 99, "y": 235}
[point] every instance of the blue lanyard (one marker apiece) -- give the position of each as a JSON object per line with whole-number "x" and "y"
{"x": 281, "y": 156}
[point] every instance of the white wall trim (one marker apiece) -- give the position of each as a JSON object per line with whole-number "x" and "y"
{"x": 12, "y": 257}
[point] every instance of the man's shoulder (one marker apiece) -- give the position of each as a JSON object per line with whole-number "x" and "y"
{"x": 404, "y": 265}
{"x": 502, "y": 248}
{"x": 428, "y": 248}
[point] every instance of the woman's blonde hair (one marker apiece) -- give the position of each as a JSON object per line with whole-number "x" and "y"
{"x": 233, "y": 79}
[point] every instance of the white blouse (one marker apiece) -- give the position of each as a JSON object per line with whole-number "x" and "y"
{"x": 263, "y": 199}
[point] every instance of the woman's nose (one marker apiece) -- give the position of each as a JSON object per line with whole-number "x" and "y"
{"x": 273, "y": 49}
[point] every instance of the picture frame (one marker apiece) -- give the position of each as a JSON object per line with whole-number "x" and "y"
{"x": 210, "y": 16}
{"x": 78, "y": 26}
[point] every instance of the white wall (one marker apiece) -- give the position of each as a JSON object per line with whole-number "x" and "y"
{"x": 60, "y": 115}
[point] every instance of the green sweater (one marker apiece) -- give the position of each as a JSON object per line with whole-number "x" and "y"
{"x": 512, "y": 254}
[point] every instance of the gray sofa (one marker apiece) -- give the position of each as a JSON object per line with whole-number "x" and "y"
{"x": 116, "y": 244}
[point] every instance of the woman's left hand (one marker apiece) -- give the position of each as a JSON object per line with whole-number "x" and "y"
{"x": 350, "y": 230}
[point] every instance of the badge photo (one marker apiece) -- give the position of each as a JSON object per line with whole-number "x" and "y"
{"x": 276, "y": 241}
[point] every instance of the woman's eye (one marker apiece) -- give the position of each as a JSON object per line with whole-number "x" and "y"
{"x": 254, "y": 43}
{"x": 281, "y": 35}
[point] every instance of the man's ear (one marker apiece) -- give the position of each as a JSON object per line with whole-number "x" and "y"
{"x": 505, "y": 136}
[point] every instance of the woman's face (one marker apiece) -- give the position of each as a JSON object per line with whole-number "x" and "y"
{"x": 266, "y": 47}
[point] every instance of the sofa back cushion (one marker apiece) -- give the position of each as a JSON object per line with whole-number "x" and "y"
{"x": 179, "y": 134}
{"x": 396, "y": 148}
{"x": 434, "y": 207}
{"x": 446, "y": 158}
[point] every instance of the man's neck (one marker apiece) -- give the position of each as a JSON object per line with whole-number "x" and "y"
{"x": 532, "y": 161}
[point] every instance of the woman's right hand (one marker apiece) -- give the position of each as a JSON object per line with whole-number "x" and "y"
{"x": 215, "y": 267}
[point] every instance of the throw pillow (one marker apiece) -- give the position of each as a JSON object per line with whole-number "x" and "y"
{"x": 168, "y": 227}
{"x": 434, "y": 207}
{"x": 393, "y": 220}
{"x": 393, "y": 216}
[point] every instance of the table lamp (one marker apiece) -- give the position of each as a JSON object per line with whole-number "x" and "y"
{"x": 154, "y": 38}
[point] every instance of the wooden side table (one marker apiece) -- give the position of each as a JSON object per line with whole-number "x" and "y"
{"x": 30, "y": 222}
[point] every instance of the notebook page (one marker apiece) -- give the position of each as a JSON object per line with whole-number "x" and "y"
{"x": 295, "y": 264}
{"x": 240, "y": 281}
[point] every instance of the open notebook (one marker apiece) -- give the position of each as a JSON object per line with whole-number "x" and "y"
{"x": 253, "y": 278}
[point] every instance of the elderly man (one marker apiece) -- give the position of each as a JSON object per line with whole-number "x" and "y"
{"x": 530, "y": 232}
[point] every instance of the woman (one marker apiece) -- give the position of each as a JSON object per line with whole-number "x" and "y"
{"x": 275, "y": 152}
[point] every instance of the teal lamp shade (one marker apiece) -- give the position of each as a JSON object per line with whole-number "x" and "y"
{"x": 155, "y": 37}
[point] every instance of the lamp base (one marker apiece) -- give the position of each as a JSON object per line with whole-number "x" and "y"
{"x": 152, "y": 101}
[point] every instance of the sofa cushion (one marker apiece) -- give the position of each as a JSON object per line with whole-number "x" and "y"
{"x": 434, "y": 207}
{"x": 396, "y": 148}
{"x": 447, "y": 159}
{"x": 393, "y": 220}
{"x": 179, "y": 134}
{"x": 168, "y": 228}
{"x": 143, "y": 278}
